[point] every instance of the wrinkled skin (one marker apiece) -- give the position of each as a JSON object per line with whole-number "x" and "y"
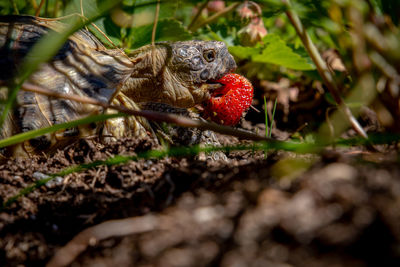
{"x": 180, "y": 74}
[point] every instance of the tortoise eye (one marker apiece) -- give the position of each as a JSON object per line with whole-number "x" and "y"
{"x": 209, "y": 55}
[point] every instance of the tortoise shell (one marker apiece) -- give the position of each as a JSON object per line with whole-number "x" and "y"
{"x": 83, "y": 66}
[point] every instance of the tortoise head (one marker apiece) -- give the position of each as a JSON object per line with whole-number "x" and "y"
{"x": 179, "y": 73}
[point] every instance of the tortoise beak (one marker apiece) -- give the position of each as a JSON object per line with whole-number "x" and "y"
{"x": 229, "y": 62}
{"x": 229, "y": 65}
{"x": 212, "y": 86}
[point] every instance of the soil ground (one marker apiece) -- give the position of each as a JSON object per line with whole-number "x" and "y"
{"x": 340, "y": 208}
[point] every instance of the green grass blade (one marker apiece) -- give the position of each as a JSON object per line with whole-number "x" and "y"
{"x": 18, "y": 138}
{"x": 155, "y": 154}
{"x": 266, "y": 117}
{"x": 266, "y": 122}
{"x": 273, "y": 118}
{"x": 194, "y": 150}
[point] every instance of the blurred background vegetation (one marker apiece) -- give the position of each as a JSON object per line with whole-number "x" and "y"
{"x": 358, "y": 40}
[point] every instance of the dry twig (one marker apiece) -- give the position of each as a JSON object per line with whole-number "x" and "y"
{"x": 151, "y": 115}
{"x": 39, "y": 8}
{"x": 90, "y": 236}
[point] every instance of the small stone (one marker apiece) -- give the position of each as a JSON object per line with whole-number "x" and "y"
{"x": 56, "y": 181}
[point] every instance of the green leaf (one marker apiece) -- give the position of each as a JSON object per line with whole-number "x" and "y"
{"x": 271, "y": 38}
{"x": 135, "y": 7}
{"x": 274, "y": 51}
{"x": 242, "y": 52}
{"x": 277, "y": 52}
{"x": 167, "y": 30}
{"x": 112, "y": 31}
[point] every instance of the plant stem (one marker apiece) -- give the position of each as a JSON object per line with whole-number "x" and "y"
{"x": 322, "y": 68}
{"x": 16, "y": 11}
{"x": 37, "y": 13}
{"x": 215, "y": 16}
{"x": 202, "y": 7}
{"x": 153, "y": 33}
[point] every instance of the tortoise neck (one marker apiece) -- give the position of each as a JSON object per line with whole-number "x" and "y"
{"x": 151, "y": 75}
{"x": 155, "y": 78}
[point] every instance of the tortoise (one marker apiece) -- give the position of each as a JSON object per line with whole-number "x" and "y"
{"x": 179, "y": 74}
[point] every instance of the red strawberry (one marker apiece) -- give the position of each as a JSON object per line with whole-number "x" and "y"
{"x": 229, "y": 102}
